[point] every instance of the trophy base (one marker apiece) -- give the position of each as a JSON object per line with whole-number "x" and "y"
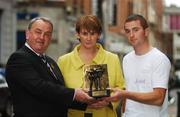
{"x": 99, "y": 93}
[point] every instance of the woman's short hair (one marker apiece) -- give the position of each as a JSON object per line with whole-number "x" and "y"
{"x": 90, "y": 23}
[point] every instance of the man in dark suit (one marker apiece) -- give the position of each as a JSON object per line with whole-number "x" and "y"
{"x": 37, "y": 85}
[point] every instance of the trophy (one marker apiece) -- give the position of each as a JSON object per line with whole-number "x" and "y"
{"x": 96, "y": 80}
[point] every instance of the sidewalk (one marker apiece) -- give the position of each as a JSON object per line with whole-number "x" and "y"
{"x": 172, "y": 109}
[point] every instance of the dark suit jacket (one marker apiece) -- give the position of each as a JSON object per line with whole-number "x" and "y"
{"x": 35, "y": 91}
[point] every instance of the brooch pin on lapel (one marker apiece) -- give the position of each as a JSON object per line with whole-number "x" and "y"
{"x": 52, "y": 66}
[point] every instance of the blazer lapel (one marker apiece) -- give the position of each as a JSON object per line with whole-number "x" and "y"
{"x": 51, "y": 68}
{"x": 36, "y": 60}
{"x": 55, "y": 69}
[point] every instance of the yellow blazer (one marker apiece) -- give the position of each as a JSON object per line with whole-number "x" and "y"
{"x": 72, "y": 66}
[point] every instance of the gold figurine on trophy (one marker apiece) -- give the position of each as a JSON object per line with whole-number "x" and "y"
{"x": 96, "y": 80}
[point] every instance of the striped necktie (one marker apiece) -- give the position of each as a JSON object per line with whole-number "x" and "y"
{"x": 43, "y": 58}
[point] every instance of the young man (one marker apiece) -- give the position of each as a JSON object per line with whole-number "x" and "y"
{"x": 146, "y": 72}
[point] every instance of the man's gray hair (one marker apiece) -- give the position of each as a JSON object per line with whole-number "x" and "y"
{"x": 45, "y": 19}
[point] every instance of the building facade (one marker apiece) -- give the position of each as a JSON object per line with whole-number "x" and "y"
{"x": 7, "y": 29}
{"x": 171, "y": 28}
{"x": 64, "y": 14}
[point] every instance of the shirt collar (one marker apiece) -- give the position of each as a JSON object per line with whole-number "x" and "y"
{"x": 100, "y": 56}
{"x": 27, "y": 45}
{"x": 77, "y": 62}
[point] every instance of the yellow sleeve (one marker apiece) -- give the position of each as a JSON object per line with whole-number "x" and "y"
{"x": 119, "y": 79}
{"x": 58, "y": 62}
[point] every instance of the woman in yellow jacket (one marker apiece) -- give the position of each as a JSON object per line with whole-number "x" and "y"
{"x": 88, "y": 52}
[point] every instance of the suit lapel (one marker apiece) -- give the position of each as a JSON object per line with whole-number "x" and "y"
{"x": 55, "y": 69}
{"x": 38, "y": 63}
{"x": 51, "y": 68}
